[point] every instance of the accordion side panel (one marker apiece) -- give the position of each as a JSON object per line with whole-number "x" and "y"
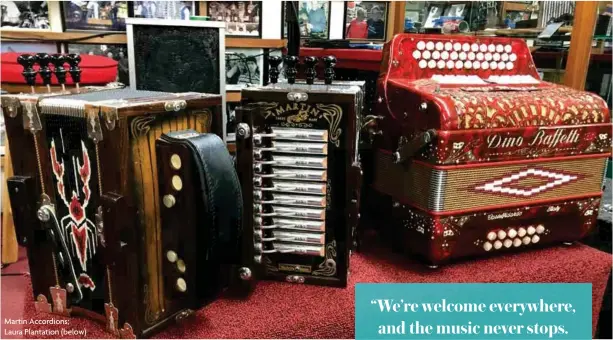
{"x": 24, "y": 163}
{"x": 144, "y": 131}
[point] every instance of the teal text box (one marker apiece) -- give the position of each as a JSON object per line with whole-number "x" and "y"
{"x": 473, "y": 311}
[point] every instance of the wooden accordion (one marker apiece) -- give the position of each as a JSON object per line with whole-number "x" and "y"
{"x": 478, "y": 155}
{"x": 111, "y": 201}
{"x": 300, "y": 175}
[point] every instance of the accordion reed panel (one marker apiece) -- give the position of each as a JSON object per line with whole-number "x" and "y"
{"x": 449, "y": 189}
{"x": 145, "y": 131}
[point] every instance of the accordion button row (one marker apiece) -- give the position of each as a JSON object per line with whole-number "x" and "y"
{"x": 465, "y": 47}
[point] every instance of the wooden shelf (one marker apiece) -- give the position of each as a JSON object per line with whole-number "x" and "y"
{"x": 255, "y": 43}
{"x": 118, "y": 38}
{"x": 233, "y": 96}
{"x": 76, "y": 37}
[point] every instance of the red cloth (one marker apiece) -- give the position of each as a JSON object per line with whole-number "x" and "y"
{"x": 357, "y": 29}
{"x": 95, "y": 70}
{"x": 359, "y": 59}
{"x": 283, "y": 310}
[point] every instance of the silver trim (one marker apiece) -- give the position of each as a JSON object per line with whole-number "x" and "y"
{"x": 130, "y": 22}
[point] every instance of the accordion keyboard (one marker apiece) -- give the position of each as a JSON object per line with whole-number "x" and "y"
{"x": 290, "y": 176}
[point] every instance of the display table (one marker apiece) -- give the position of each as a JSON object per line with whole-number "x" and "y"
{"x": 282, "y": 310}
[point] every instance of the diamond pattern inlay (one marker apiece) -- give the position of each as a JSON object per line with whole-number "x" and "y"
{"x": 510, "y": 184}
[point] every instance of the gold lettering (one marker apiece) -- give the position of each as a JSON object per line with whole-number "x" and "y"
{"x": 493, "y": 141}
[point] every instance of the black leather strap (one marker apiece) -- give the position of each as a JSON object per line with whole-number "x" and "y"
{"x": 220, "y": 189}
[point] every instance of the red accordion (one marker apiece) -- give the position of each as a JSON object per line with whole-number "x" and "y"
{"x": 480, "y": 156}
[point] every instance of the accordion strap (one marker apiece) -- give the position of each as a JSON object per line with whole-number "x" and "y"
{"x": 220, "y": 190}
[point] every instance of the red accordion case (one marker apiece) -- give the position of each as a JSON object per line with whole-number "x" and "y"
{"x": 95, "y": 70}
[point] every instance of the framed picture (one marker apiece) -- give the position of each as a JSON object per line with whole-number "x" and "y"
{"x": 242, "y": 18}
{"x": 95, "y": 15}
{"x": 244, "y": 67}
{"x": 313, "y": 19}
{"x": 116, "y": 52}
{"x": 456, "y": 10}
{"x": 434, "y": 12}
{"x": 25, "y": 15}
{"x": 177, "y": 10}
{"x": 365, "y": 20}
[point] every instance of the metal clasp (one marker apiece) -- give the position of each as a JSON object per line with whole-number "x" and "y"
{"x": 11, "y": 106}
{"x": 175, "y": 105}
{"x": 31, "y": 119}
{"x": 297, "y": 96}
{"x": 94, "y": 129}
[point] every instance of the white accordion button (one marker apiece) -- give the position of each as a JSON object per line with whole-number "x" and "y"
{"x": 485, "y": 65}
{"x": 496, "y": 56}
{"x": 436, "y": 55}
{"x": 491, "y": 236}
{"x": 508, "y": 243}
{"x": 421, "y": 45}
{"x": 426, "y": 55}
{"x": 521, "y": 232}
{"x": 471, "y": 56}
{"x": 483, "y": 48}
{"x": 497, "y": 244}
{"x": 439, "y": 46}
{"x": 468, "y": 64}
{"x": 499, "y": 48}
{"x": 508, "y": 48}
{"x": 491, "y": 48}
{"x": 504, "y": 57}
{"x": 459, "y": 64}
{"x": 423, "y": 64}
{"x": 512, "y": 233}
{"x": 448, "y": 46}
{"x": 474, "y": 47}
{"x": 430, "y": 45}
{"x": 450, "y": 64}
{"x": 454, "y": 55}
{"x": 526, "y": 240}
{"x": 531, "y": 230}
{"x": 441, "y": 64}
{"x": 431, "y": 64}
{"x": 487, "y": 246}
{"x": 171, "y": 256}
{"x": 501, "y": 65}
{"x": 493, "y": 65}
{"x": 535, "y": 239}
{"x": 479, "y": 56}
{"x": 444, "y": 55}
{"x": 465, "y": 47}
{"x": 457, "y": 46}
{"x": 517, "y": 242}
{"x": 502, "y": 234}
{"x": 416, "y": 54}
{"x": 476, "y": 65}
{"x": 488, "y": 56}
{"x": 540, "y": 229}
{"x": 513, "y": 57}
{"x": 509, "y": 65}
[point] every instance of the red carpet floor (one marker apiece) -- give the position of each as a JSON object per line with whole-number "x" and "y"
{"x": 280, "y": 310}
